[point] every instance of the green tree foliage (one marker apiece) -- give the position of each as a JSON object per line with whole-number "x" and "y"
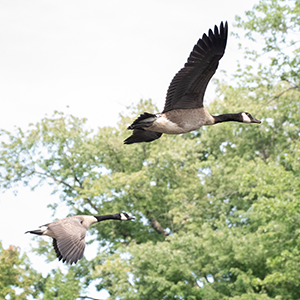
{"x": 17, "y": 279}
{"x": 61, "y": 286}
{"x": 274, "y": 25}
{"x": 217, "y": 210}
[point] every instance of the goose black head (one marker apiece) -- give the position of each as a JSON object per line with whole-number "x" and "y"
{"x": 248, "y": 118}
{"x": 125, "y": 217}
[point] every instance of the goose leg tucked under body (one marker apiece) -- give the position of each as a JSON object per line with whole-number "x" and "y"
{"x": 69, "y": 234}
{"x": 184, "y": 110}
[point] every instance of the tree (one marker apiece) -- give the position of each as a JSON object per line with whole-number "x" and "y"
{"x": 17, "y": 278}
{"x": 217, "y": 210}
{"x": 277, "y": 23}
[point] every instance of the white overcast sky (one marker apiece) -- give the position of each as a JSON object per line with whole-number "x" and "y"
{"x": 92, "y": 59}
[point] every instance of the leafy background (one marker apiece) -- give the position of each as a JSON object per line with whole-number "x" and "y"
{"x": 217, "y": 210}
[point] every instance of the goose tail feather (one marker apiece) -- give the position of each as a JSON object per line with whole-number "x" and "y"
{"x": 144, "y": 120}
{"x": 40, "y": 231}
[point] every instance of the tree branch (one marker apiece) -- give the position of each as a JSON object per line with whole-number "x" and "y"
{"x": 155, "y": 224}
{"x": 66, "y": 184}
{"x": 71, "y": 165}
{"x": 87, "y": 297}
{"x": 54, "y": 178}
{"x": 283, "y": 92}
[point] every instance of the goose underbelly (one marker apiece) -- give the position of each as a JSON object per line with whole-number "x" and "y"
{"x": 181, "y": 121}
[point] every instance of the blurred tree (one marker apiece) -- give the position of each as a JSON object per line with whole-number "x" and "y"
{"x": 217, "y": 210}
{"x": 274, "y": 25}
{"x": 17, "y": 279}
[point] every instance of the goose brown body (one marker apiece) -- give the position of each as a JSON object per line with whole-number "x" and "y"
{"x": 184, "y": 110}
{"x": 182, "y": 121}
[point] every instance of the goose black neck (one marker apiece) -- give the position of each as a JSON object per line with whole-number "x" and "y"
{"x": 228, "y": 118}
{"x": 107, "y": 217}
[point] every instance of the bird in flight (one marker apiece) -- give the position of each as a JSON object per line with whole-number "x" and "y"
{"x": 69, "y": 234}
{"x": 184, "y": 110}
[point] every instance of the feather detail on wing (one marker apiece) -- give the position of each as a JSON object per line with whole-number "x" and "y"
{"x": 69, "y": 241}
{"x": 187, "y": 88}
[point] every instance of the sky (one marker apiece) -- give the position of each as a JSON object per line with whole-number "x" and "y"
{"x": 92, "y": 59}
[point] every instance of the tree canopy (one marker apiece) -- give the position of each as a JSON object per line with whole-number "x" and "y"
{"x": 217, "y": 210}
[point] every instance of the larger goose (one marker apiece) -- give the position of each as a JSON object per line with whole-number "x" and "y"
{"x": 184, "y": 110}
{"x": 69, "y": 234}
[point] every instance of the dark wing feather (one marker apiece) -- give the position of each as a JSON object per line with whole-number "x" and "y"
{"x": 58, "y": 254}
{"x": 140, "y": 135}
{"x": 189, "y": 84}
{"x": 69, "y": 241}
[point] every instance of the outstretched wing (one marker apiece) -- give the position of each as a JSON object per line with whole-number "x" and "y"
{"x": 69, "y": 240}
{"x": 189, "y": 84}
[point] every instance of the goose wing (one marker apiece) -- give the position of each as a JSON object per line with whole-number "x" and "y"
{"x": 68, "y": 239}
{"x": 189, "y": 84}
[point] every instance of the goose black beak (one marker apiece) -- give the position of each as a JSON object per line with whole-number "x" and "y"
{"x": 255, "y": 121}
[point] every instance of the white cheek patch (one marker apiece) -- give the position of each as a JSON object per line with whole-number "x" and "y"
{"x": 123, "y": 218}
{"x": 246, "y": 119}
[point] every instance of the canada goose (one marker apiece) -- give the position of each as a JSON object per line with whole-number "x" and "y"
{"x": 184, "y": 110}
{"x": 69, "y": 234}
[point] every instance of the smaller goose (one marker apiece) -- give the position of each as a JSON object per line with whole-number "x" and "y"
{"x": 69, "y": 234}
{"x": 184, "y": 110}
